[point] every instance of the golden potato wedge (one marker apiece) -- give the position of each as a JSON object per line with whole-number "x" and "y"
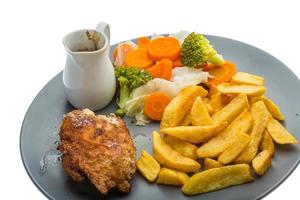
{"x": 260, "y": 117}
{"x": 199, "y": 114}
{"x": 172, "y": 177}
{"x": 180, "y": 106}
{"x": 246, "y": 78}
{"x": 211, "y": 163}
{"x": 186, "y": 121}
{"x": 279, "y": 134}
{"x": 273, "y": 108}
{"x": 170, "y": 158}
{"x": 215, "y": 146}
{"x": 262, "y": 162}
{"x": 185, "y": 148}
{"x": 148, "y": 166}
{"x": 208, "y": 107}
{"x": 239, "y": 143}
{"x": 212, "y": 90}
{"x": 217, "y": 178}
{"x": 251, "y": 90}
{"x": 231, "y": 110}
{"x": 267, "y": 143}
{"x": 252, "y": 100}
{"x": 218, "y": 101}
{"x": 195, "y": 134}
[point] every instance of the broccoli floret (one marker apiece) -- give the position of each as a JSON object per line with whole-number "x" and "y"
{"x": 119, "y": 112}
{"x": 196, "y": 50}
{"x": 129, "y": 78}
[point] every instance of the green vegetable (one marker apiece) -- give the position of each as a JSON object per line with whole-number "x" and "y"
{"x": 129, "y": 78}
{"x": 119, "y": 112}
{"x": 196, "y": 50}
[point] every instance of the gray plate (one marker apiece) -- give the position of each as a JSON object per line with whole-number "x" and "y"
{"x": 41, "y": 124}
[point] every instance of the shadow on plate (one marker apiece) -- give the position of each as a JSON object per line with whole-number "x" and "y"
{"x": 87, "y": 190}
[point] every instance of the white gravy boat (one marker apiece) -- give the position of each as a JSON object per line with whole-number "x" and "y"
{"x": 88, "y": 78}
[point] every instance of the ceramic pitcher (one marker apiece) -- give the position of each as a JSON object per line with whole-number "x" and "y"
{"x": 88, "y": 77}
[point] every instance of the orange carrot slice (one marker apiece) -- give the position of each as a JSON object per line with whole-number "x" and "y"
{"x": 177, "y": 63}
{"x": 138, "y": 58}
{"x": 155, "y": 105}
{"x": 162, "y": 69}
{"x": 143, "y": 42}
{"x": 222, "y": 74}
{"x": 119, "y": 57}
{"x": 165, "y": 47}
{"x": 115, "y": 53}
{"x": 209, "y": 66}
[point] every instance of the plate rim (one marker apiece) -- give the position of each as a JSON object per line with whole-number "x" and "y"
{"x": 48, "y": 196}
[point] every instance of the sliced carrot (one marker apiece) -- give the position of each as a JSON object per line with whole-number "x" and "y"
{"x": 209, "y": 66}
{"x": 222, "y": 74}
{"x": 165, "y": 47}
{"x": 119, "y": 57}
{"x": 177, "y": 63}
{"x": 143, "y": 42}
{"x": 115, "y": 53}
{"x": 162, "y": 69}
{"x": 155, "y": 105}
{"x": 138, "y": 58}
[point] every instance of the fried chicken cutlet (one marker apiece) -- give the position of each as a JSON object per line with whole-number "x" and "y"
{"x": 97, "y": 147}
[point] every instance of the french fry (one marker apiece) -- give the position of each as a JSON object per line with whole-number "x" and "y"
{"x": 218, "y": 101}
{"x": 262, "y": 162}
{"x": 172, "y": 177}
{"x": 148, "y": 166}
{"x": 209, "y": 108}
{"x": 251, "y": 90}
{"x": 279, "y": 134}
{"x": 186, "y": 121}
{"x": 195, "y": 134}
{"x": 185, "y": 148}
{"x": 211, "y": 163}
{"x": 267, "y": 143}
{"x": 260, "y": 117}
{"x": 231, "y": 110}
{"x": 180, "y": 106}
{"x": 199, "y": 114}
{"x": 273, "y": 108}
{"x": 239, "y": 143}
{"x": 212, "y": 90}
{"x": 215, "y": 146}
{"x": 246, "y": 78}
{"x": 252, "y": 100}
{"x": 170, "y": 158}
{"x": 217, "y": 178}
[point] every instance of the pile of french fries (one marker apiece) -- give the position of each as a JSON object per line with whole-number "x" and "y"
{"x": 230, "y": 128}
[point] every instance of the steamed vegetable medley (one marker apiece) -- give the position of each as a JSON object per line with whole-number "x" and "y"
{"x": 153, "y": 71}
{"x": 209, "y": 113}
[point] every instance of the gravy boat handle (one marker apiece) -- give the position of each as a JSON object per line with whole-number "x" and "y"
{"x": 104, "y": 27}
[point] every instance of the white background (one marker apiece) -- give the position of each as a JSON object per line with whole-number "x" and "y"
{"x": 31, "y": 53}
